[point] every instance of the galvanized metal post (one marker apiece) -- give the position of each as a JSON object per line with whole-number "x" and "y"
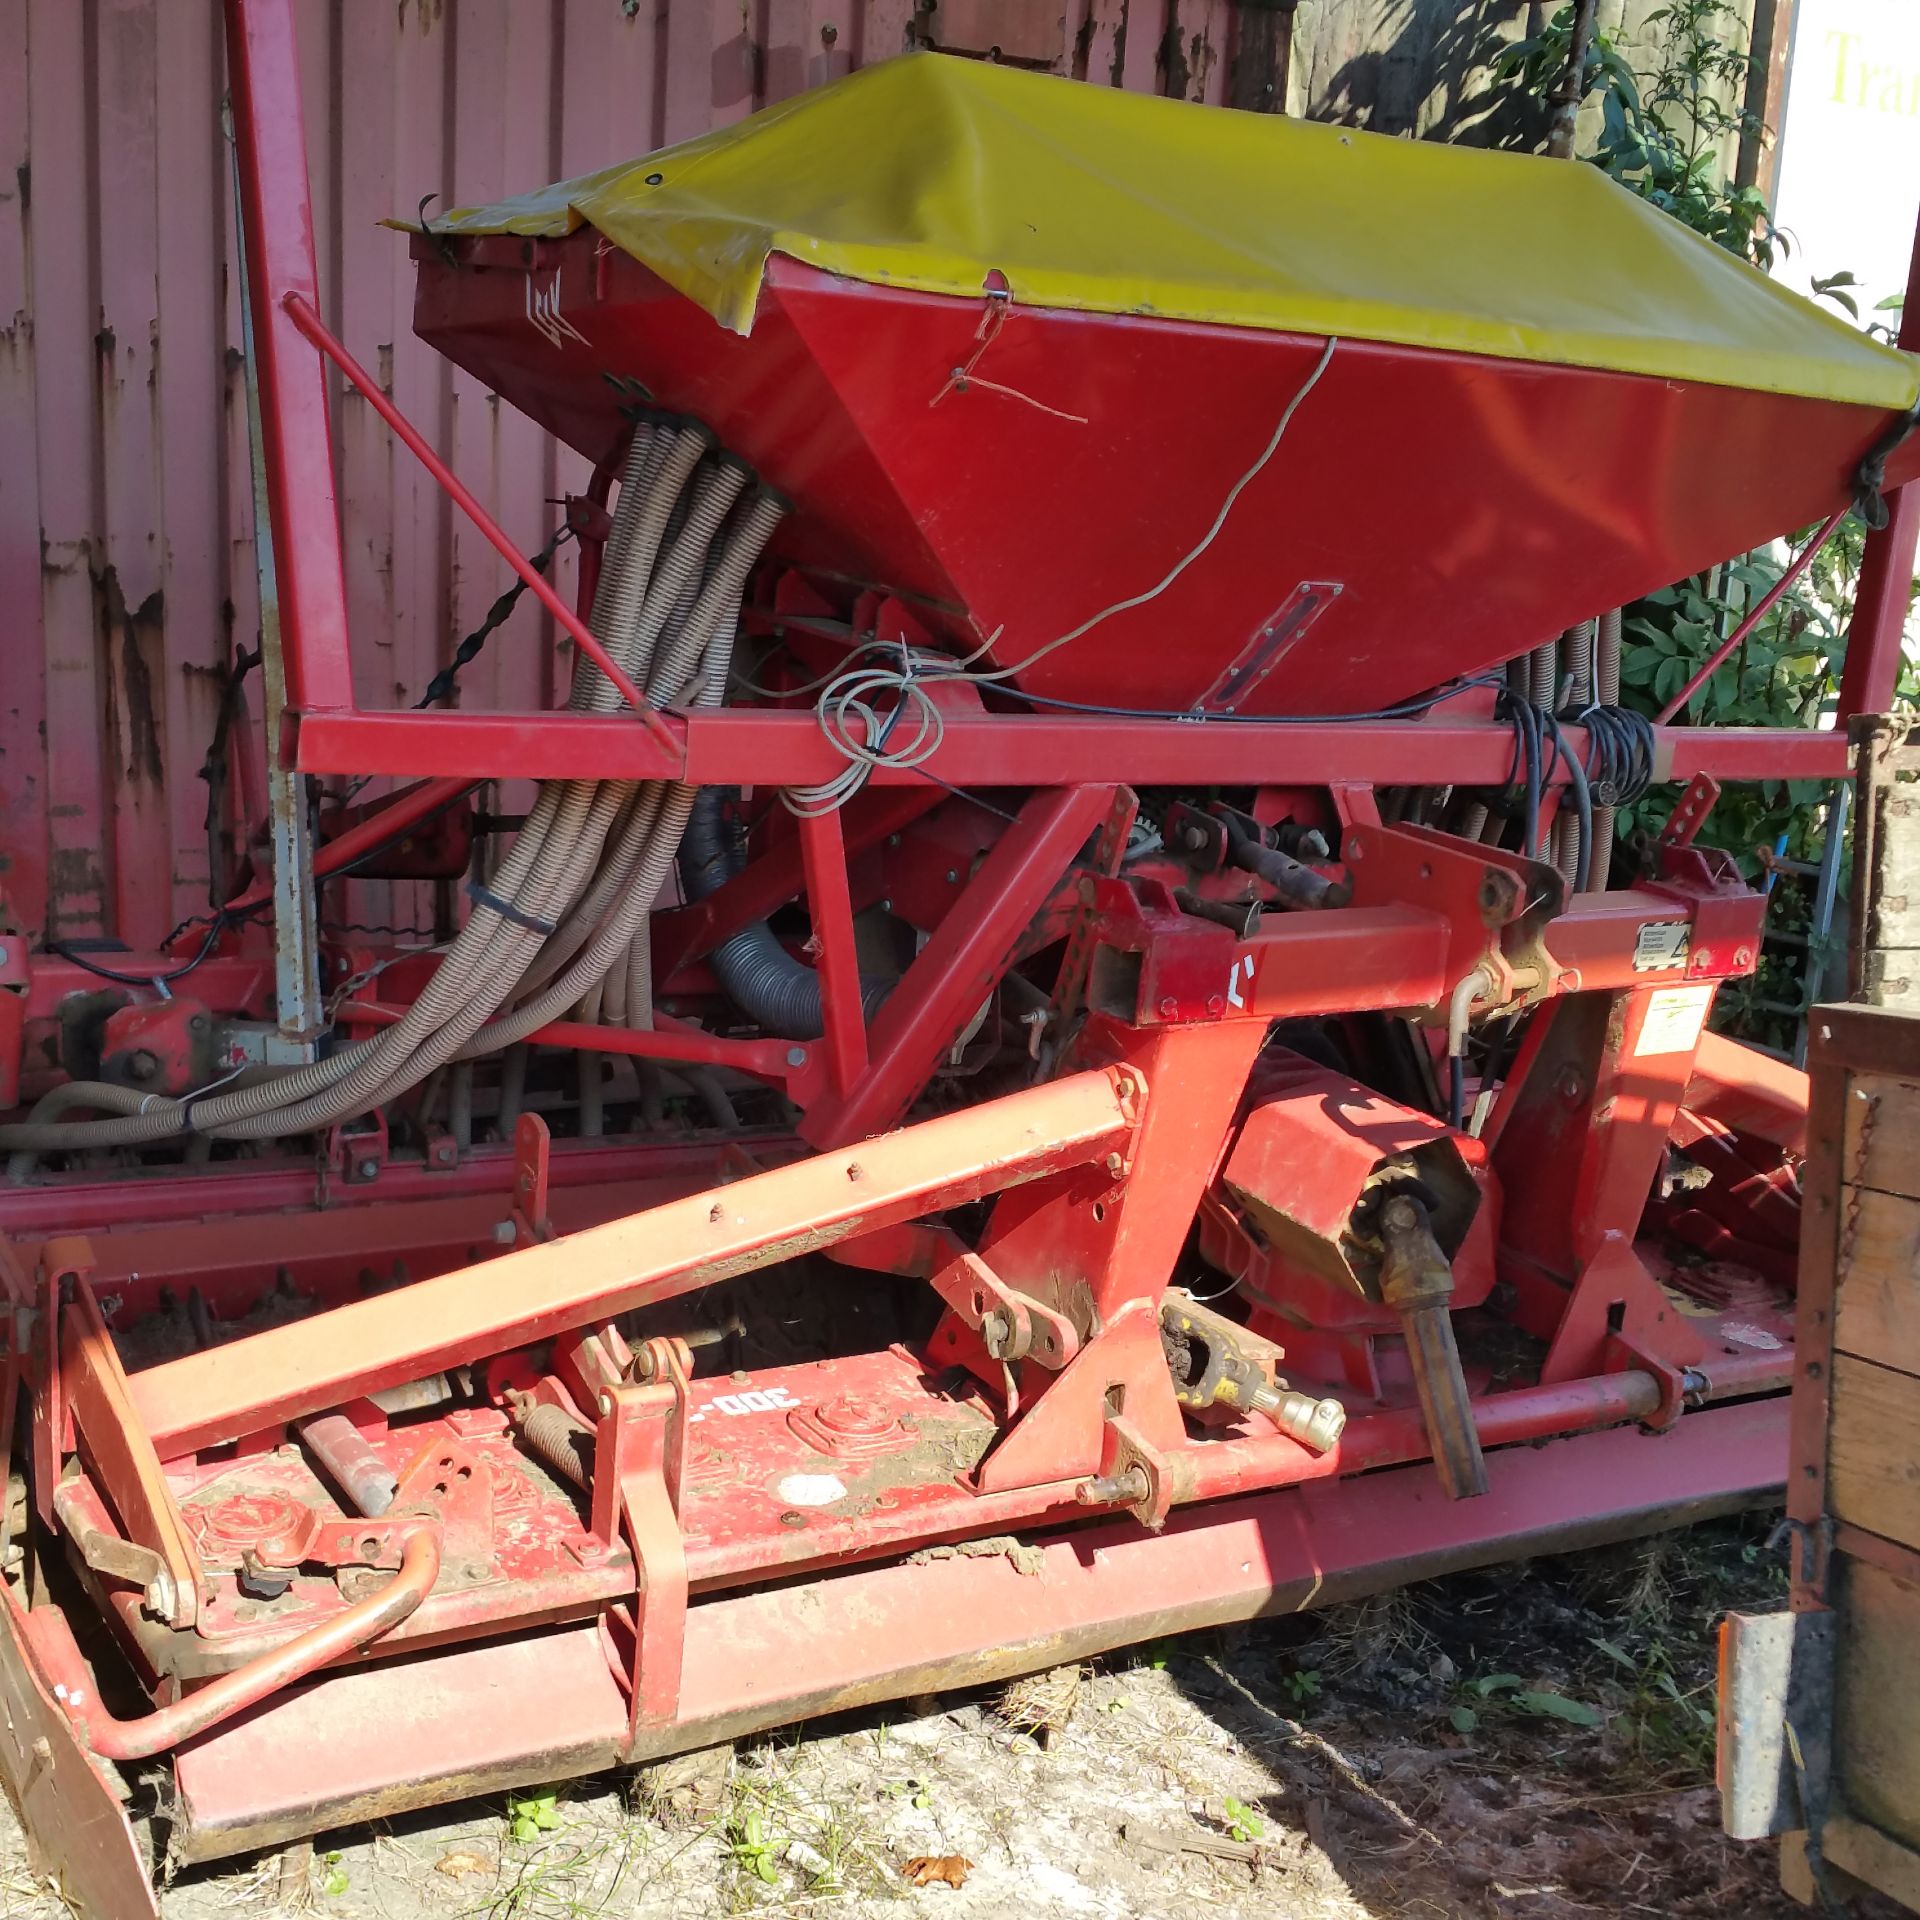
{"x": 299, "y": 1012}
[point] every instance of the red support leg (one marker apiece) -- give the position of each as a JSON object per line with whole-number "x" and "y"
{"x": 959, "y": 966}
{"x": 842, "y": 1018}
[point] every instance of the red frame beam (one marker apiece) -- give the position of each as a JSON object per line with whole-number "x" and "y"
{"x": 525, "y": 1297}
{"x": 277, "y": 220}
{"x": 1877, "y": 630}
{"x": 760, "y": 747}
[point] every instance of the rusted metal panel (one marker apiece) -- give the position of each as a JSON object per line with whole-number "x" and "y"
{"x": 126, "y": 516}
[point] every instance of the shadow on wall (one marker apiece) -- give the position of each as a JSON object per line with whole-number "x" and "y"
{"x": 1419, "y": 67}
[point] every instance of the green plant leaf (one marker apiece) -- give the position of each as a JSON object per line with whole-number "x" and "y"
{"x": 1490, "y": 1684}
{"x": 1556, "y": 1706}
{"x": 1243, "y": 1822}
{"x": 1463, "y": 1719}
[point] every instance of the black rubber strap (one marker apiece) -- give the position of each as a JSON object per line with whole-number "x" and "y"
{"x": 1868, "y": 500}
{"x": 485, "y": 897}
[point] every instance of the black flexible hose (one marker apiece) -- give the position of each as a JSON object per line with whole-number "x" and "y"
{"x": 755, "y": 971}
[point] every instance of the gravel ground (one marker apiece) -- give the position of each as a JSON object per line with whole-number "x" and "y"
{"x": 1532, "y": 1742}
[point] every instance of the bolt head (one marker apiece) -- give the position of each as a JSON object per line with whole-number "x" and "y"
{"x": 796, "y": 1056}
{"x": 368, "y": 1169}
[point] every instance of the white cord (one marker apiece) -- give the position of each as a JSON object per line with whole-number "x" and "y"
{"x": 1206, "y": 540}
{"x": 851, "y": 695}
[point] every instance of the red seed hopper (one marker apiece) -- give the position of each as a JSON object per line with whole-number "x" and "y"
{"x": 1017, "y": 369}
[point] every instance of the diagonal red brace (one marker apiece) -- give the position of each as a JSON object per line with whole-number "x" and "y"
{"x": 531, "y": 1294}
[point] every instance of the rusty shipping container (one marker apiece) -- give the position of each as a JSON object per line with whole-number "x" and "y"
{"x": 126, "y": 514}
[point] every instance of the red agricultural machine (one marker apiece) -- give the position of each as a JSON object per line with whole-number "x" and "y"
{"x": 1060, "y": 982}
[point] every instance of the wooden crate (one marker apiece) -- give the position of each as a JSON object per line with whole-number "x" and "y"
{"x": 1854, "y": 1486}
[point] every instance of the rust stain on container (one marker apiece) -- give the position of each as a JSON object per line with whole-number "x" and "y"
{"x": 134, "y": 644}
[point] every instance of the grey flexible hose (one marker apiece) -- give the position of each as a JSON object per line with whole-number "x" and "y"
{"x": 660, "y": 832}
{"x": 637, "y": 604}
{"x": 1606, "y": 693}
{"x": 1575, "y": 670}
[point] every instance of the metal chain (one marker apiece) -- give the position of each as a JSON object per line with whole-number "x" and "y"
{"x": 441, "y": 686}
{"x": 1850, "y": 1227}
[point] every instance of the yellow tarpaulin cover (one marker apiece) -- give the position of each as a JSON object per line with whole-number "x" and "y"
{"x": 931, "y": 172}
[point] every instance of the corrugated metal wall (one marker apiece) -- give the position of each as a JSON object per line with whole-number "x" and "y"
{"x": 126, "y": 568}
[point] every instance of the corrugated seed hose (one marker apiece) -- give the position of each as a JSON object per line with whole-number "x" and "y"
{"x": 567, "y": 910}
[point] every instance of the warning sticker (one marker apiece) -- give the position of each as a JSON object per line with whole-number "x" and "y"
{"x": 1675, "y": 1016}
{"x": 1660, "y": 944}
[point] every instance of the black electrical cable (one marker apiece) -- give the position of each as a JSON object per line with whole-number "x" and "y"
{"x": 1406, "y": 709}
{"x": 1582, "y": 805}
{"x": 68, "y": 950}
{"x": 1620, "y": 746}
{"x": 1524, "y": 717}
{"x": 1456, "y": 1093}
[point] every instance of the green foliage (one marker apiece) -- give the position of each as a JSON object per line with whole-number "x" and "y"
{"x": 1668, "y": 134}
{"x": 1302, "y": 1685}
{"x": 1243, "y": 1823}
{"x": 529, "y": 1815}
{"x": 334, "y": 1884}
{"x": 751, "y": 1849}
{"x": 1665, "y": 1724}
{"x": 1509, "y": 1692}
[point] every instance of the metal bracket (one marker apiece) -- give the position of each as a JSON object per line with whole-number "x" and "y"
{"x": 1690, "y": 811}
{"x": 532, "y": 1152}
{"x": 1809, "y": 1556}
{"x": 1011, "y": 1325}
{"x": 639, "y": 1459}
{"x": 1133, "y": 1471}
{"x": 359, "y": 1150}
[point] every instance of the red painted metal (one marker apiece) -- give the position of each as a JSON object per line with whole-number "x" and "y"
{"x": 1883, "y": 597}
{"x": 282, "y": 278}
{"x": 300, "y": 311}
{"x": 1033, "y": 507}
{"x": 221, "y": 1699}
{"x": 754, "y": 1658}
{"x": 745, "y": 745}
{"x": 830, "y": 907}
{"x": 958, "y": 967}
{"x": 530, "y": 1295}
{"x": 506, "y": 1329}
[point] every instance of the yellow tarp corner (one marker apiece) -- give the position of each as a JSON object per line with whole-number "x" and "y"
{"x": 932, "y": 173}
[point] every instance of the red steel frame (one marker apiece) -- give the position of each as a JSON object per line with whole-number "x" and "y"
{"x": 635, "y": 1628}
